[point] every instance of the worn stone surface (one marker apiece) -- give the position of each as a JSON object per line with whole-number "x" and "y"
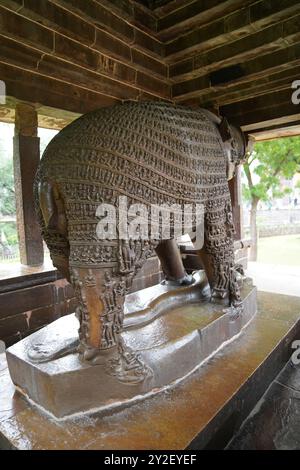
{"x": 173, "y": 419}
{"x": 274, "y": 423}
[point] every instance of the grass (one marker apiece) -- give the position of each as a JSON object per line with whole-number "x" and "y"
{"x": 284, "y": 250}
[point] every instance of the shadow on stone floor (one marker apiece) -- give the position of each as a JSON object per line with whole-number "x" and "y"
{"x": 274, "y": 423}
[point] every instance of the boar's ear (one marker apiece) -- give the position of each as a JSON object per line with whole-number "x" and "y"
{"x": 250, "y": 141}
{"x": 224, "y": 130}
{"x": 239, "y": 144}
{"x": 52, "y": 207}
{"x": 47, "y": 202}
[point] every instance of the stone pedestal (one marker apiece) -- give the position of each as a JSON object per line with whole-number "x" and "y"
{"x": 201, "y": 412}
{"x": 173, "y": 330}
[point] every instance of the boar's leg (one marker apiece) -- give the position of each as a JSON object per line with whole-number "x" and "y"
{"x": 171, "y": 262}
{"x": 100, "y": 292}
{"x": 217, "y": 255}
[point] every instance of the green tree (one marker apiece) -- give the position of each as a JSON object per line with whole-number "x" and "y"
{"x": 7, "y": 202}
{"x": 7, "y": 189}
{"x": 264, "y": 168}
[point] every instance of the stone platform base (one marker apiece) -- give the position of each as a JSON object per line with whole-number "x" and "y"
{"x": 202, "y": 411}
{"x": 176, "y": 332}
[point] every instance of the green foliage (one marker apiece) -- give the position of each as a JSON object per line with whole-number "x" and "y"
{"x": 10, "y": 231}
{"x": 7, "y": 202}
{"x": 7, "y": 189}
{"x": 267, "y": 165}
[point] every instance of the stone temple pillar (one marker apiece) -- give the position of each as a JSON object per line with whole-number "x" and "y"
{"x": 26, "y": 159}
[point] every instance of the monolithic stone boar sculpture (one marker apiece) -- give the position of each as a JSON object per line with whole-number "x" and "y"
{"x": 152, "y": 153}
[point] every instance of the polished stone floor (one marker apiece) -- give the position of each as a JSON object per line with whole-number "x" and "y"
{"x": 275, "y": 421}
{"x": 275, "y": 278}
{"x": 190, "y": 414}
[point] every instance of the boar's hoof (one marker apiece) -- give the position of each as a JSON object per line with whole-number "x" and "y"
{"x": 95, "y": 356}
{"x": 220, "y": 296}
{"x": 128, "y": 367}
{"x": 119, "y": 361}
{"x": 234, "y": 310}
{"x": 187, "y": 280}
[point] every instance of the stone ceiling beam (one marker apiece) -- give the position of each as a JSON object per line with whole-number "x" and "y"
{"x": 259, "y": 103}
{"x": 190, "y": 15}
{"x": 34, "y": 88}
{"x": 274, "y": 82}
{"x": 248, "y": 71}
{"x": 229, "y": 28}
{"x": 259, "y": 112}
{"x": 66, "y": 33}
{"x": 267, "y": 40}
{"x": 49, "y": 118}
{"x": 278, "y": 132}
{"x": 81, "y": 55}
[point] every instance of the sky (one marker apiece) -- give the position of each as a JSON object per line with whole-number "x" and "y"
{"x": 6, "y": 140}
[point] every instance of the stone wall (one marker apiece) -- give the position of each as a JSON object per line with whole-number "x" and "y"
{"x": 24, "y": 311}
{"x": 272, "y": 231}
{"x": 274, "y": 222}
